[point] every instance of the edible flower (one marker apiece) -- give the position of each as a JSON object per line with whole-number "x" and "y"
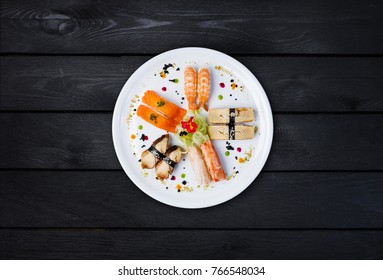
{"x": 189, "y": 125}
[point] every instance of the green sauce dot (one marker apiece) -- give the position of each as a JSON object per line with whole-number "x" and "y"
{"x": 220, "y": 97}
{"x": 140, "y": 127}
{"x": 183, "y": 175}
{"x": 176, "y": 81}
{"x": 227, "y": 153}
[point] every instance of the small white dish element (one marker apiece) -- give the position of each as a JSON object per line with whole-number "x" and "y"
{"x": 232, "y": 86}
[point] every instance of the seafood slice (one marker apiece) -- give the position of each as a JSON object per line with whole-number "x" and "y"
{"x": 165, "y": 167}
{"x": 203, "y": 88}
{"x": 223, "y": 115}
{"x": 156, "y": 119}
{"x": 213, "y": 162}
{"x": 163, "y": 106}
{"x": 148, "y": 158}
{"x": 221, "y": 132}
{"x": 190, "y": 87}
{"x": 199, "y": 166}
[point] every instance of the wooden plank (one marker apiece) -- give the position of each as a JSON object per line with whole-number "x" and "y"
{"x": 191, "y": 244}
{"x": 321, "y": 27}
{"x": 301, "y": 141}
{"x": 293, "y": 84}
{"x": 109, "y": 199}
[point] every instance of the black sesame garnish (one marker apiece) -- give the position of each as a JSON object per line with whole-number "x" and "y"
{"x": 184, "y": 182}
{"x": 236, "y": 157}
{"x": 165, "y": 68}
{"x": 178, "y": 69}
{"x": 143, "y": 146}
{"x": 229, "y": 147}
{"x": 231, "y": 80}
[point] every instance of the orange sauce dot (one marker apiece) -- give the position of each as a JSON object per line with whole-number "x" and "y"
{"x": 178, "y": 187}
{"x": 241, "y": 160}
{"x": 133, "y": 136}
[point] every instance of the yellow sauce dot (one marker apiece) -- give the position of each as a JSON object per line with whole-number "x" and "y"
{"x": 241, "y": 160}
{"x": 163, "y": 75}
{"x": 133, "y": 136}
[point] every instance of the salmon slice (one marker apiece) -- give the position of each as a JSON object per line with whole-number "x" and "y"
{"x": 163, "y": 106}
{"x": 156, "y": 119}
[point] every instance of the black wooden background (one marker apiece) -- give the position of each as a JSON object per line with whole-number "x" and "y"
{"x": 63, "y": 194}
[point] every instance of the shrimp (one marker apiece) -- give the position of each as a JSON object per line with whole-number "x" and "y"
{"x": 190, "y": 86}
{"x": 203, "y": 87}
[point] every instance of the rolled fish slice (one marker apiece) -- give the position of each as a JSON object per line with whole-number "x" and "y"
{"x": 163, "y": 169}
{"x": 199, "y": 167}
{"x": 148, "y": 159}
{"x": 212, "y": 161}
{"x": 222, "y": 115}
{"x": 221, "y": 132}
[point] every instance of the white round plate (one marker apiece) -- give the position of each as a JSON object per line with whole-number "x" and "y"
{"x": 232, "y": 85}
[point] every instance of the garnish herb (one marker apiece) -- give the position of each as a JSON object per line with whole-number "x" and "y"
{"x": 153, "y": 117}
{"x": 160, "y": 103}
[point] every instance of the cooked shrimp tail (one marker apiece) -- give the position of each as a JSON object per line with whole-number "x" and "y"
{"x": 190, "y": 87}
{"x": 203, "y": 88}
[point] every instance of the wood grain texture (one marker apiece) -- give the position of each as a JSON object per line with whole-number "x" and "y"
{"x": 109, "y": 199}
{"x": 192, "y": 244}
{"x": 293, "y": 84}
{"x": 301, "y": 142}
{"x": 321, "y": 27}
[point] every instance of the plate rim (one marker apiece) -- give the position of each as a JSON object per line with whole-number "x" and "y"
{"x": 266, "y": 110}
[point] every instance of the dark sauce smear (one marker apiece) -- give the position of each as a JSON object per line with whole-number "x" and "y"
{"x": 229, "y": 147}
{"x": 166, "y": 66}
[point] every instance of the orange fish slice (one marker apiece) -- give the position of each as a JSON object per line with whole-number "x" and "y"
{"x": 162, "y": 105}
{"x": 156, "y": 119}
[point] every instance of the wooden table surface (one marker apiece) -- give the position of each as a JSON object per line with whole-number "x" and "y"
{"x": 63, "y": 194}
